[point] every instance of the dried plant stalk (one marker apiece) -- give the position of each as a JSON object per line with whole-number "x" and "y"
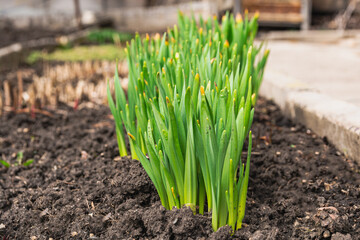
{"x": 1, "y": 103}
{"x": 68, "y": 82}
{"x": 7, "y": 93}
{"x": 20, "y": 87}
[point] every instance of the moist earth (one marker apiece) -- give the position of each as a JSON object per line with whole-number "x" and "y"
{"x": 300, "y": 186}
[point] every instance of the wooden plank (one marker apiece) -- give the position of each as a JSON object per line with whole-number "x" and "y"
{"x": 274, "y": 9}
{"x": 272, "y": 2}
{"x": 284, "y": 6}
{"x": 277, "y": 12}
{"x": 290, "y": 18}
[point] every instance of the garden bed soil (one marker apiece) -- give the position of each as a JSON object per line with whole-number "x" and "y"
{"x": 300, "y": 186}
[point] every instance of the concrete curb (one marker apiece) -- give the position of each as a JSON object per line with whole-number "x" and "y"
{"x": 336, "y": 120}
{"x": 313, "y": 36}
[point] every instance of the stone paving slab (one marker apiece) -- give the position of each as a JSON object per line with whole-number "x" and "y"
{"x": 331, "y": 69}
{"x": 318, "y": 85}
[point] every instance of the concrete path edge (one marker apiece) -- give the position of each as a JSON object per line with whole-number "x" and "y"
{"x": 336, "y": 120}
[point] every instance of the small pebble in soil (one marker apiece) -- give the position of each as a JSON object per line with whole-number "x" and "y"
{"x": 2, "y": 226}
{"x": 84, "y": 155}
{"x": 340, "y": 236}
{"x": 74, "y": 234}
{"x": 92, "y": 236}
{"x": 296, "y": 223}
{"x": 326, "y": 234}
{"x": 327, "y": 186}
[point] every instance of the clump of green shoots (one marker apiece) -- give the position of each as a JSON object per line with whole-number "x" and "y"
{"x": 189, "y": 111}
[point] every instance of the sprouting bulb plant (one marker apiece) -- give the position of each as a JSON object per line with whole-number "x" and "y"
{"x": 189, "y": 110}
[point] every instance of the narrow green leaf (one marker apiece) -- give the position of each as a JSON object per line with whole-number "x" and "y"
{"x": 28, "y": 162}
{"x": 4, "y": 163}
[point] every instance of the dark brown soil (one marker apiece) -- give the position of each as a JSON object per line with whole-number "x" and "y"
{"x": 77, "y": 188}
